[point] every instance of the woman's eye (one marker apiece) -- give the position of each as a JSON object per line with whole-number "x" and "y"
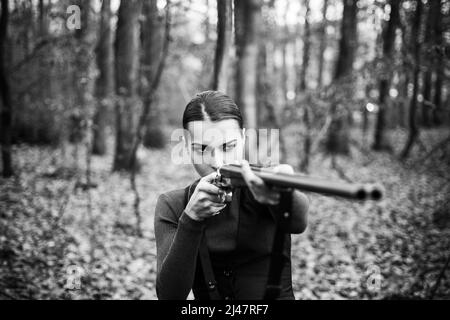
{"x": 229, "y": 147}
{"x": 199, "y": 150}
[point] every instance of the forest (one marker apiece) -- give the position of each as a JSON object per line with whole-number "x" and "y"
{"x": 91, "y": 91}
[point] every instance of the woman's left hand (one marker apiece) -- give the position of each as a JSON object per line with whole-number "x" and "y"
{"x": 263, "y": 193}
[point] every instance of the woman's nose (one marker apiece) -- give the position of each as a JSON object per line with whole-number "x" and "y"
{"x": 216, "y": 159}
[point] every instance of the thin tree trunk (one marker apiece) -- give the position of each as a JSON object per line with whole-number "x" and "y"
{"x": 284, "y": 73}
{"x": 307, "y": 143}
{"x": 42, "y": 19}
{"x": 265, "y": 93}
{"x": 207, "y": 23}
{"x": 427, "y": 104}
{"x": 429, "y": 42}
{"x": 5, "y": 95}
{"x": 126, "y": 72}
{"x": 348, "y": 40}
{"x": 339, "y": 130}
{"x": 415, "y": 34}
{"x": 224, "y": 38}
{"x": 381, "y": 140}
{"x": 247, "y": 27}
{"x": 323, "y": 43}
{"x": 143, "y": 116}
{"x": 365, "y": 113}
{"x": 284, "y": 41}
{"x": 83, "y": 75}
{"x": 105, "y": 81}
{"x": 439, "y": 60}
{"x": 152, "y": 43}
{"x": 301, "y": 87}
{"x": 306, "y": 48}
{"x": 403, "y": 110}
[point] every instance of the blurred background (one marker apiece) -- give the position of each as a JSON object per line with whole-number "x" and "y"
{"x": 91, "y": 91}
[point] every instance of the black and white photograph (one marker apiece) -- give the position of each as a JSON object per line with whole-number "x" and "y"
{"x": 230, "y": 150}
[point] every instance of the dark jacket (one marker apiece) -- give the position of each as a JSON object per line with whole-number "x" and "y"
{"x": 239, "y": 240}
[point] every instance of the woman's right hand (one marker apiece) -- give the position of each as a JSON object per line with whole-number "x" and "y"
{"x": 206, "y": 199}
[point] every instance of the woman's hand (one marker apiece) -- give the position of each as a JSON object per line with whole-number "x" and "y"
{"x": 206, "y": 201}
{"x": 263, "y": 193}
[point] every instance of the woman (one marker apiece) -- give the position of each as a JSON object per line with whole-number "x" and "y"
{"x": 238, "y": 235}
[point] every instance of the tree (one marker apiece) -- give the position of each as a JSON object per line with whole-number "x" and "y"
{"x": 224, "y": 39}
{"x": 323, "y": 43}
{"x": 267, "y": 115}
{"x": 152, "y": 46}
{"x": 439, "y": 50}
{"x": 301, "y": 86}
{"x": 128, "y": 103}
{"x": 381, "y": 141}
{"x": 416, "y": 48}
{"x": 105, "y": 80}
{"x": 284, "y": 46}
{"x": 149, "y": 99}
{"x": 348, "y": 40}
{"x": 337, "y": 141}
{"x": 247, "y": 26}
{"x": 152, "y": 40}
{"x": 5, "y": 95}
{"x": 42, "y": 18}
{"x": 427, "y": 75}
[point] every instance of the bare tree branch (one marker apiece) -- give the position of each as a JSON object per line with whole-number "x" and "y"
{"x": 144, "y": 115}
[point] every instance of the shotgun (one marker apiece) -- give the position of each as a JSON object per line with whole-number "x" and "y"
{"x": 229, "y": 176}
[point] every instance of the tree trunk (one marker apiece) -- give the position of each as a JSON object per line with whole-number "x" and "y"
{"x": 105, "y": 81}
{"x": 348, "y": 40}
{"x": 126, "y": 72}
{"x": 426, "y": 106}
{"x": 338, "y": 136}
{"x": 284, "y": 73}
{"x": 207, "y": 23}
{"x": 415, "y": 38}
{"x": 381, "y": 140}
{"x": 323, "y": 43}
{"x": 265, "y": 94}
{"x": 306, "y": 152}
{"x": 5, "y": 96}
{"x": 83, "y": 74}
{"x": 152, "y": 42}
{"x": 429, "y": 43}
{"x": 403, "y": 110}
{"x": 224, "y": 38}
{"x": 247, "y": 27}
{"x": 301, "y": 87}
{"x": 306, "y": 49}
{"x": 42, "y": 19}
{"x": 439, "y": 60}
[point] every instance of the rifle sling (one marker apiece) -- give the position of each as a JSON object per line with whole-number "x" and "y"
{"x": 205, "y": 260}
{"x": 283, "y": 216}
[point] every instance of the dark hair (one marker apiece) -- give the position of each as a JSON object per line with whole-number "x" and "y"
{"x": 211, "y": 105}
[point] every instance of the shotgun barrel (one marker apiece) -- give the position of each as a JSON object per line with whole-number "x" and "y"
{"x": 355, "y": 191}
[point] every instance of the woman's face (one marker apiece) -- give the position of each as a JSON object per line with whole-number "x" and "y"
{"x": 212, "y": 144}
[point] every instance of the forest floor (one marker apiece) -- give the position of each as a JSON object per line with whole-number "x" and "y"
{"x": 62, "y": 240}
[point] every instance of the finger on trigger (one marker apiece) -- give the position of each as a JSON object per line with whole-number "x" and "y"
{"x": 210, "y": 177}
{"x": 209, "y": 188}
